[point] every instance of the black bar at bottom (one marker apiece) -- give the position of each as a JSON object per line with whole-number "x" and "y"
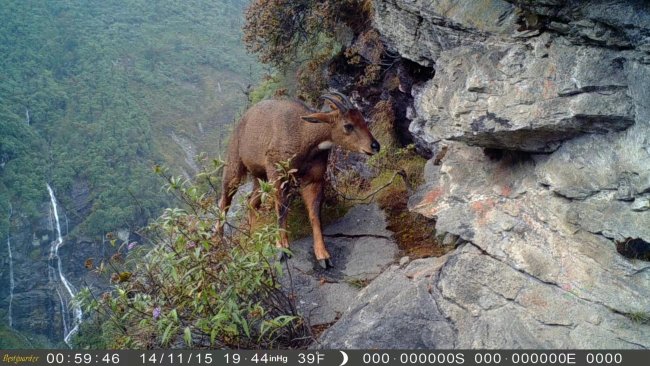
{"x": 324, "y": 357}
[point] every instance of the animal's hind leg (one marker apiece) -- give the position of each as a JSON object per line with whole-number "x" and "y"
{"x": 233, "y": 174}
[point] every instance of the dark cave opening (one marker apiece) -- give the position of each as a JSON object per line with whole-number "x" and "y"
{"x": 634, "y": 248}
{"x": 510, "y": 157}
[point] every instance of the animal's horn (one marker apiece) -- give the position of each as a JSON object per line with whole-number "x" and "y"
{"x": 341, "y": 107}
{"x": 345, "y": 99}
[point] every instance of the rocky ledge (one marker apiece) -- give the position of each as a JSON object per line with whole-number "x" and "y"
{"x": 361, "y": 248}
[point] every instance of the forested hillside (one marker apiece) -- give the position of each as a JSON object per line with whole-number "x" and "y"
{"x": 93, "y": 93}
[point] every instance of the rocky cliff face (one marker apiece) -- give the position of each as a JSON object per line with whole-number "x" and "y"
{"x": 539, "y": 114}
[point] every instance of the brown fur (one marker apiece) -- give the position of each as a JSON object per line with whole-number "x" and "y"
{"x": 274, "y": 131}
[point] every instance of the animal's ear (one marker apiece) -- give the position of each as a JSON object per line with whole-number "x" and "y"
{"x": 317, "y": 118}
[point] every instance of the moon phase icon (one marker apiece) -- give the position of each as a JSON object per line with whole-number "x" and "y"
{"x": 345, "y": 358}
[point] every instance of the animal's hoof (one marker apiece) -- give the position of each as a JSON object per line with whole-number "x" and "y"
{"x": 326, "y": 263}
{"x": 283, "y": 256}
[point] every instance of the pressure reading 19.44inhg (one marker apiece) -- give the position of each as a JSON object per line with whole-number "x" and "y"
{"x": 257, "y": 358}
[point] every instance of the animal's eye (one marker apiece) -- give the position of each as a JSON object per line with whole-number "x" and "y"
{"x": 348, "y": 127}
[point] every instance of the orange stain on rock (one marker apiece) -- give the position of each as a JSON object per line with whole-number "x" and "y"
{"x": 430, "y": 200}
{"x": 432, "y": 197}
{"x": 534, "y": 300}
{"x": 482, "y": 207}
{"x": 549, "y": 89}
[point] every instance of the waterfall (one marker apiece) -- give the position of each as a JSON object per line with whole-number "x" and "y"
{"x": 68, "y": 331}
{"x": 64, "y": 314}
{"x": 27, "y": 116}
{"x": 12, "y": 284}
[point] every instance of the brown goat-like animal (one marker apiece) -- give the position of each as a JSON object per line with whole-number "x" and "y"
{"x": 273, "y": 131}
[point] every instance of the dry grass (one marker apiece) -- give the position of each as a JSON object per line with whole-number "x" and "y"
{"x": 414, "y": 233}
{"x": 317, "y": 330}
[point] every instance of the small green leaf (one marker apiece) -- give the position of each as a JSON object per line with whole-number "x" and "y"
{"x": 167, "y": 334}
{"x": 187, "y": 336}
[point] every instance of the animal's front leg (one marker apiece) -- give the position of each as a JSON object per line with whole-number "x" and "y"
{"x": 312, "y": 194}
{"x": 281, "y": 209}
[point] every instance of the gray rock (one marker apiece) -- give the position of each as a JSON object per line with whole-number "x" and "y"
{"x": 602, "y": 214}
{"x": 456, "y": 301}
{"x": 539, "y": 268}
{"x": 641, "y": 204}
{"x": 420, "y": 30}
{"x": 404, "y": 261}
{"x": 605, "y": 23}
{"x": 538, "y": 231}
{"x": 560, "y": 247}
{"x": 496, "y": 91}
{"x": 239, "y": 202}
{"x": 449, "y": 240}
{"x": 504, "y": 96}
{"x": 361, "y": 249}
{"x": 394, "y": 311}
{"x": 361, "y": 220}
{"x": 238, "y": 209}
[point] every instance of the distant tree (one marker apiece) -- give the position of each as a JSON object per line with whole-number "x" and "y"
{"x": 302, "y": 36}
{"x": 278, "y": 30}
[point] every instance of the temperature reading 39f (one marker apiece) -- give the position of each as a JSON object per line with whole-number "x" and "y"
{"x": 311, "y": 358}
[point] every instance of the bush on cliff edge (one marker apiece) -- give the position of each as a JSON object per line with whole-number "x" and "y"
{"x": 193, "y": 288}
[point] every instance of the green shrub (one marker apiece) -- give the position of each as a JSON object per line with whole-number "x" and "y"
{"x": 267, "y": 88}
{"x": 300, "y": 38}
{"x": 194, "y": 288}
{"x": 639, "y": 317}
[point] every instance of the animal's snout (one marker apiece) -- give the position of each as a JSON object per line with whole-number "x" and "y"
{"x": 375, "y": 146}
